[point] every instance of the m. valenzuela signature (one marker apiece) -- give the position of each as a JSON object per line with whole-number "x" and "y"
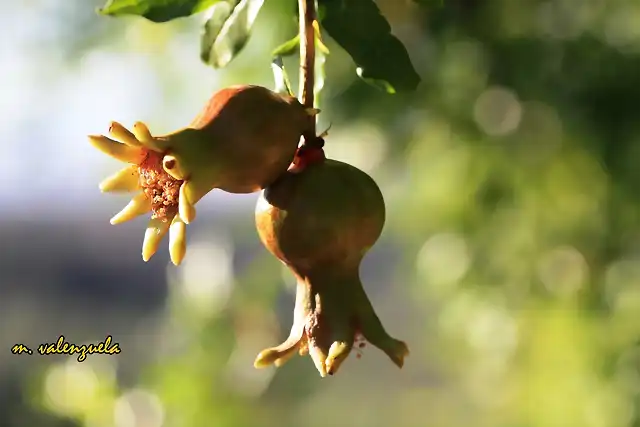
{"x": 107, "y": 346}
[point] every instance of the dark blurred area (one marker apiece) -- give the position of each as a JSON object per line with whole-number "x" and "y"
{"x": 510, "y": 261}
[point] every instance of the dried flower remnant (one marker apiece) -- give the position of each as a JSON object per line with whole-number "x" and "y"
{"x": 328, "y": 326}
{"x": 158, "y": 192}
{"x": 159, "y": 186}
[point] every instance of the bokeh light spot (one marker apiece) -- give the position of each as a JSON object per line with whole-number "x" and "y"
{"x": 206, "y": 277}
{"x": 70, "y": 387}
{"x": 443, "y": 260}
{"x": 622, "y": 285}
{"x": 563, "y": 270}
{"x": 498, "y": 111}
{"x": 138, "y": 408}
{"x": 362, "y": 145}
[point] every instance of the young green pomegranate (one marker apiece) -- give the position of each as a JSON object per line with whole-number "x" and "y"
{"x": 319, "y": 219}
{"x": 244, "y": 138}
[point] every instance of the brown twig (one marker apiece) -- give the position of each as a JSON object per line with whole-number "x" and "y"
{"x": 307, "y": 9}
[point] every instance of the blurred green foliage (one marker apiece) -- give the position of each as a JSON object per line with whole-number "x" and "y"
{"x": 512, "y": 242}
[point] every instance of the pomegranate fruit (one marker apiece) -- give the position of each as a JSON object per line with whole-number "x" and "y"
{"x": 244, "y": 138}
{"x": 320, "y": 219}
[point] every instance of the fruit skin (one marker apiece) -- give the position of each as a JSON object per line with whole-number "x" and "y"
{"x": 328, "y": 215}
{"x": 320, "y": 222}
{"x": 243, "y": 139}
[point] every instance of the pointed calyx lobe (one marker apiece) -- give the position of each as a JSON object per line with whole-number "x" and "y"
{"x": 320, "y": 221}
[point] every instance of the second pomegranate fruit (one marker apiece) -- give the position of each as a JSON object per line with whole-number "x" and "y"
{"x": 320, "y": 222}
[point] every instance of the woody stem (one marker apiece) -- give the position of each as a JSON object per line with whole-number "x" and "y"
{"x": 307, "y": 9}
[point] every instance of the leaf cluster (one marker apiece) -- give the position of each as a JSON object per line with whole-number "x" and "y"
{"x": 357, "y": 26}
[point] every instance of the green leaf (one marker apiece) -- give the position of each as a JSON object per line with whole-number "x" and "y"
{"x": 282, "y": 83}
{"x": 287, "y": 48}
{"x": 321, "y": 59}
{"x": 156, "y": 10}
{"x": 226, "y": 34}
{"x": 218, "y": 15}
{"x": 365, "y": 34}
{"x": 380, "y": 84}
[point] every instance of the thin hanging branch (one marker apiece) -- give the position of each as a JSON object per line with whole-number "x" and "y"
{"x": 307, "y": 57}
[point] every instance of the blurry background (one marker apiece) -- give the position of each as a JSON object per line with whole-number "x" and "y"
{"x": 510, "y": 261}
